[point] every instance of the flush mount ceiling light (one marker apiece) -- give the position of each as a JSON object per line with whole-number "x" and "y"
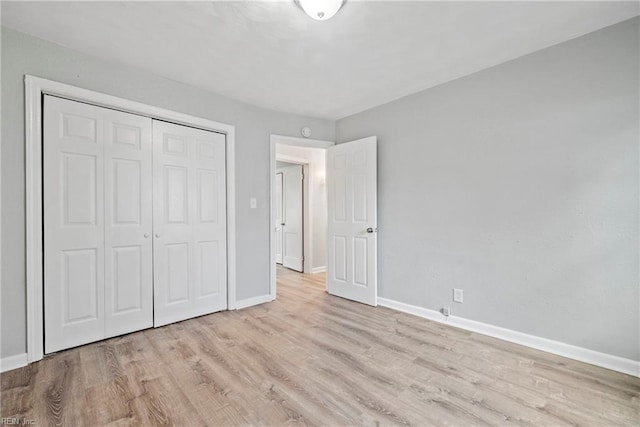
{"x": 320, "y": 10}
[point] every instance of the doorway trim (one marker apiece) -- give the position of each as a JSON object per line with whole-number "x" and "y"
{"x": 284, "y": 140}
{"x": 35, "y": 88}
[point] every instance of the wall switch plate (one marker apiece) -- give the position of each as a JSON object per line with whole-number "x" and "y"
{"x": 458, "y": 295}
{"x": 253, "y": 203}
{"x": 446, "y": 311}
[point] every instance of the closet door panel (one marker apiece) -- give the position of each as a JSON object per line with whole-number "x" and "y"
{"x": 189, "y": 222}
{"x": 97, "y": 223}
{"x": 128, "y": 223}
{"x": 73, "y": 185}
{"x": 209, "y": 220}
{"x": 172, "y": 248}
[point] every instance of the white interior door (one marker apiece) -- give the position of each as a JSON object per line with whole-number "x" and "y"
{"x": 292, "y": 237}
{"x": 352, "y": 220}
{"x": 279, "y": 218}
{"x": 97, "y": 263}
{"x": 190, "y": 234}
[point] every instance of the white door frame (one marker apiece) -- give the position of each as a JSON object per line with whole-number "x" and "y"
{"x": 35, "y": 88}
{"x": 299, "y": 142}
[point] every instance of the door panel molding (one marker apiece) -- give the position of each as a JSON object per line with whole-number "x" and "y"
{"x": 35, "y": 88}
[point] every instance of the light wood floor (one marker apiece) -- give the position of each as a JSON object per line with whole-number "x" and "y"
{"x": 311, "y": 358}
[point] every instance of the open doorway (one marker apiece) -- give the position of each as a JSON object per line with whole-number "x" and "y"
{"x": 299, "y": 206}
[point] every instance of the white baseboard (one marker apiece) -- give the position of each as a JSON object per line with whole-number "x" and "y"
{"x": 13, "y": 362}
{"x": 582, "y": 354}
{"x": 253, "y": 301}
{"x": 316, "y": 270}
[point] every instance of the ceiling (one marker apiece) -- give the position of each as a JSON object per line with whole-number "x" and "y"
{"x": 270, "y": 54}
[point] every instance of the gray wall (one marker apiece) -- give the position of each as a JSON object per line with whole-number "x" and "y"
{"x": 23, "y": 54}
{"x": 519, "y": 184}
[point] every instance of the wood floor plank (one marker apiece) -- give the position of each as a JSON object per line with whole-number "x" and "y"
{"x": 310, "y": 358}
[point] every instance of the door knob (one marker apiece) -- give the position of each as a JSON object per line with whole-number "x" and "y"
{"x": 371, "y": 230}
{"x": 146, "y": 235}
{"x": 282, "y": 224}
{"x": 157, "y": 235}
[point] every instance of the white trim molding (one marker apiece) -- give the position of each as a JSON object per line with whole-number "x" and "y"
{"x": 13, "y": 362}
{"x": 35, "y": 88}
{"x": 250, "y": 302}
{"x": 285, "y": 140}
{"x": 316, "y": 270}
{"x": 615, "y": 363}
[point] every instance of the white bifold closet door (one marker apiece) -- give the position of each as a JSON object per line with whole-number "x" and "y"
{"x": 97, "y": 223}
{"x": 134, "y": 223}
{"x": 189, "y": 211}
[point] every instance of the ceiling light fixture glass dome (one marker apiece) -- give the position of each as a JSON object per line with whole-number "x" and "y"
{"x": 321, "y": 10}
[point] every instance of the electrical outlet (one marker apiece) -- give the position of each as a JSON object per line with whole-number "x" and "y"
{"x": 446, "y": 311}
{"x": 458, "y": 295}
{"x": 253, "y": 203}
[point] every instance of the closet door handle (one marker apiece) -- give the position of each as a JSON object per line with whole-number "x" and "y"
{"x": 157, "y": 235}
{"x": 146, "y": 235}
